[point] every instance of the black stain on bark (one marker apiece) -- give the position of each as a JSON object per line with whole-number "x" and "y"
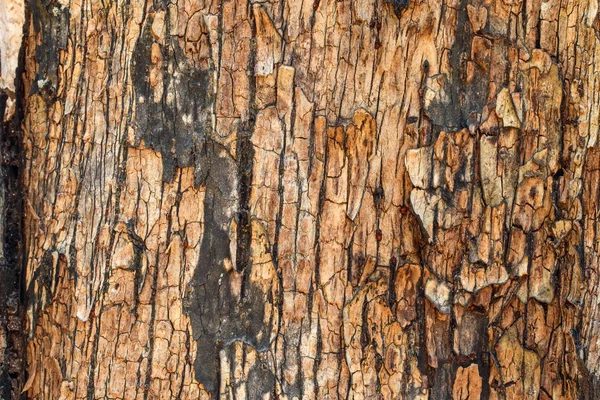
{"x": 179, "y": 122}
{"x": 218, "y": 317}
{"x": 43, "y": 278}
{"x": 51, "y": 25}
{"x": 473, "y": 341}
{"x": 12, "y": 370}
{"x": 442, "y": 382}
{"x": 245, "y": 153}
{"x": 464, "y": 97}
{"x": 180, "y": 125}
{"x": 260, "y": 381}
{"x": 399, "y": 6}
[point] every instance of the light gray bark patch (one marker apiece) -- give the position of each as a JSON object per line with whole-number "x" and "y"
{"x": 177, "y": 123}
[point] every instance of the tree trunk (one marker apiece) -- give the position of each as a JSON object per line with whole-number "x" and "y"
{"x": 318, "y": 199}
{"x": 12, "y": 350}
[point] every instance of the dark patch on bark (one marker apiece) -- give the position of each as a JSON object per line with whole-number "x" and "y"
{"x": 442, "y": 382}
{"x": 51, "y": 25}
{"x": 399, "y": 6}
{"x": 13, "y": 371}
{"x": 260, "y": 381}
{"x": 473, "y": 341}
{"x": 139, "y": 248}
{"x": 463, "y": 98}
{"x": 444, "y": 374}
{"x": 442, "y": 112}
{"x": 421, "y": 311}
{"x": 11, "y": 296}
{"x": 591, "y": 390}
{"x": 245, "y": 153}
{"x": 218, "y": 318}
{"x": 177, "y": 124}
{"x": 41, "y": 287}
{"x": 44, "y": 271}
{"x": 392, "y": 284}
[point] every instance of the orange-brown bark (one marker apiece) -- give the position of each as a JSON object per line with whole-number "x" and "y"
{"x": 317, "y": 199}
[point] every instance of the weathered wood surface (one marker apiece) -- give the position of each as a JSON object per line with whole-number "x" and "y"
{"x": 312, "y": 199}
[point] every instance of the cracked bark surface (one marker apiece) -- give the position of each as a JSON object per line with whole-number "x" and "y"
{"x": 311, "y": 199}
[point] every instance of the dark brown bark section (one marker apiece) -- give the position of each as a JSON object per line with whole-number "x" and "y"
{"x": 12, "y": 353}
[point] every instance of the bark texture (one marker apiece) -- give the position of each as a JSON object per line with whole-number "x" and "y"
{"x": 312, "y": 199}
{"x": 12, "y": 350}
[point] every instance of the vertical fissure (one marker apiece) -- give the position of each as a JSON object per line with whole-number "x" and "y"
{"x": 245, "y": 161}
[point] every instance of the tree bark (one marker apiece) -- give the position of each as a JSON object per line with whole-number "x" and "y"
{"x": 311, "y": 199}
{"x": 12, "y": 349}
